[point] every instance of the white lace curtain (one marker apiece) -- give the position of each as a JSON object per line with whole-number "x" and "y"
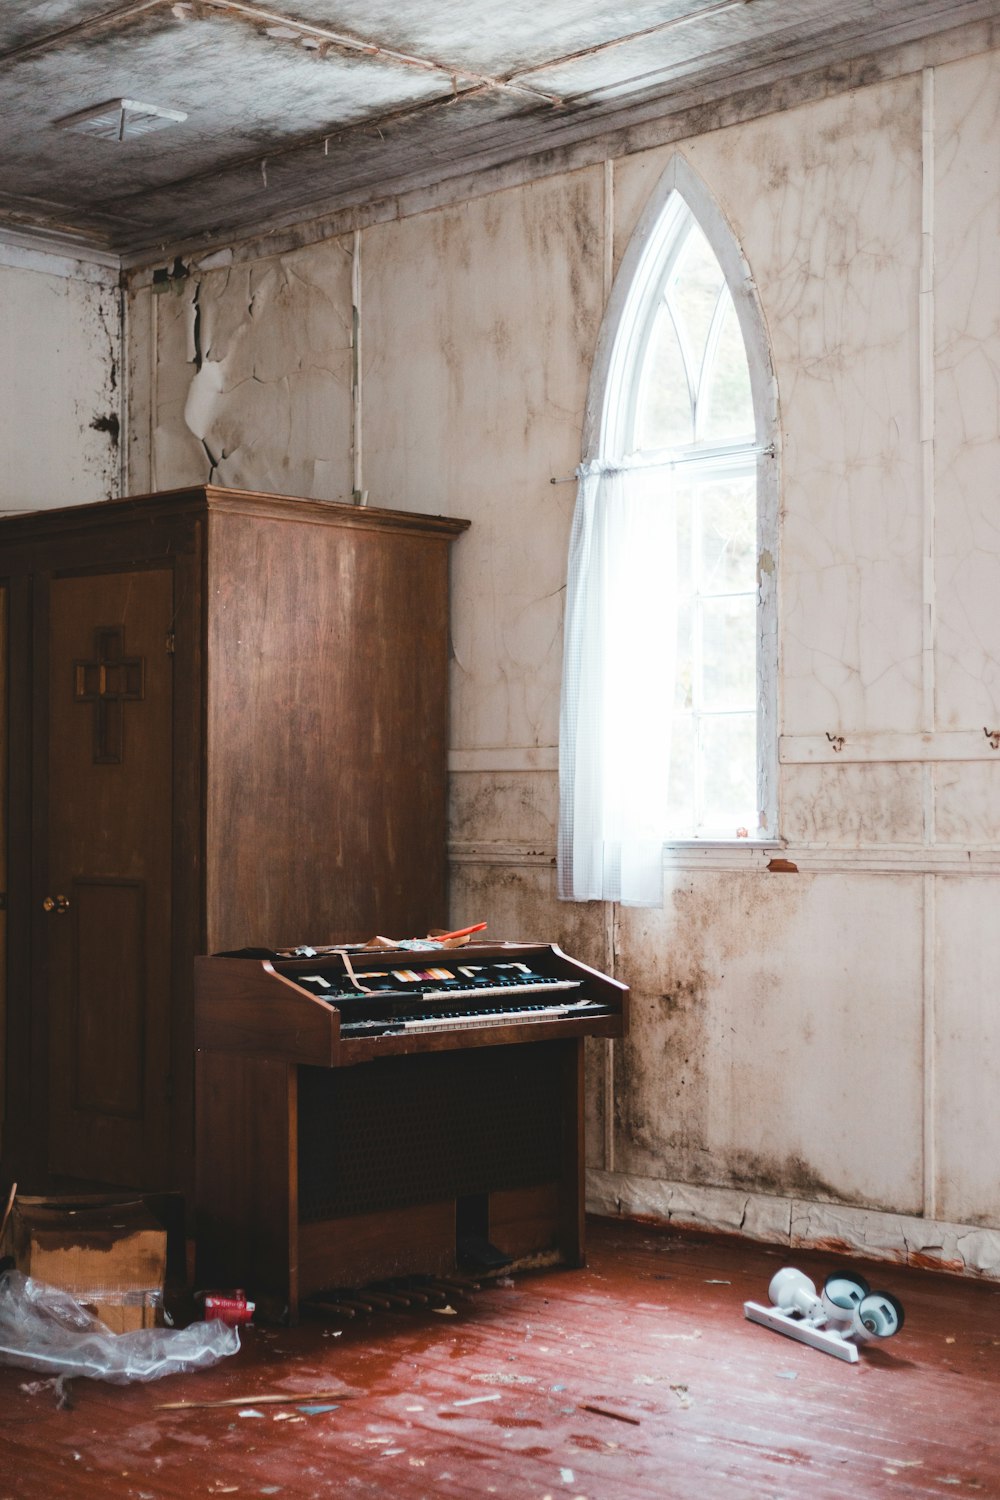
{"x": 618, "y": 686}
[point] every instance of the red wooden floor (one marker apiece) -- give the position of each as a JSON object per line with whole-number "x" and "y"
{"x": 491, "y": 1399}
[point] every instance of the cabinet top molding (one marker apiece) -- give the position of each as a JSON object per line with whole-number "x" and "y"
{"x": 207, "y": 498}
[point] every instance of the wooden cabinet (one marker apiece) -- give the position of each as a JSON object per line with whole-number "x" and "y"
{"x": 227, "y": 727}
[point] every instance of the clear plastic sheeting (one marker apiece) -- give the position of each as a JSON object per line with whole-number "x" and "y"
{"x": 45, "y": 1329}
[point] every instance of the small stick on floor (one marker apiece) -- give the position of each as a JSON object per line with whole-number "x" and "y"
{"x": 617, "y": 1416}
{"x": 272, "y": 1399}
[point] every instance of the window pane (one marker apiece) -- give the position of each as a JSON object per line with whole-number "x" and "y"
{"x": 664, "y": 416}
{"x": 728, "y": 516}
{"x": 683, "y": 495}
{"x": 694, "y": 291}
{"x": 725, "y": 408}
{"x": 729, "y": 655}
{"x": 680, "y": 800}
{"x": 683, "y": 681}
{"x": 729, "y": 758}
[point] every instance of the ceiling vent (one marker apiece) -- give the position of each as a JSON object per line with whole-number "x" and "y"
{"x": 121, "y": 120}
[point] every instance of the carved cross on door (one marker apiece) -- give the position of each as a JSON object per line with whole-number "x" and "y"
{"x": 110, "y": 681}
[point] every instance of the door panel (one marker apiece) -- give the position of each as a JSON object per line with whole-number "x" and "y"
{"x": 107, "y": 1043}
{"x": 107, "y": 925}
{"x": 4, "y": 753}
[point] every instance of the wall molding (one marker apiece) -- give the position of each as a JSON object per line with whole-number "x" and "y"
{"x": 799, "y": 1223}
{"x": 836, "y": 747}
{"x": 486, "y": 852}
{"x": 71, "y": 261}
{"x": 807, "y": 859}
{"x": 841, "y": 747}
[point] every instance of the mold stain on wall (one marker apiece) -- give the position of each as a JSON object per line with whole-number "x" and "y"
{"x": 105, "y": 306}
{"x": 61, "y": 415}
{"x": 679, "y": 1079}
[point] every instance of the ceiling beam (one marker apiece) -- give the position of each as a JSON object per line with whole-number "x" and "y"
{"x": 702, "y": 14}
{"x": 344, "y": 42}
{"x": 107, "y": 18}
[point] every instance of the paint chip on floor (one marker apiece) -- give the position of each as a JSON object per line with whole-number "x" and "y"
{"x": 500, "y": 1377}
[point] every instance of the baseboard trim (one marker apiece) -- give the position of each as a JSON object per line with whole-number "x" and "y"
{"x": 797, "y": 1223}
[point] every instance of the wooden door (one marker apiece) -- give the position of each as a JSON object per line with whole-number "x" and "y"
{"x": 106, "y": 911}
{"x": 4, "y": 754}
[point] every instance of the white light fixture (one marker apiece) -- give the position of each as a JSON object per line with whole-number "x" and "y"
{"x": 845, "y": 1315}
{"x": 121, "y": 119}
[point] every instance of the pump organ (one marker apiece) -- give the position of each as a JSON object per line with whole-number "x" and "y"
{"x": 363, "y": 1116}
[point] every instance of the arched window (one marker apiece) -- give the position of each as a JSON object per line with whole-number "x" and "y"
{"x": 669, "y": 684}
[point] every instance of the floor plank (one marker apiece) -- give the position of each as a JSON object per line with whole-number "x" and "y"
{"x": 490, "y": 1400}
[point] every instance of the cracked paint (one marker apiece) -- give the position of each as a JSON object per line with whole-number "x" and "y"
{"x": 497, "y": 304}
{"x": 967, "y": 428}
{"x": 798, "y": 1225}
{"x": 265, "y": 400}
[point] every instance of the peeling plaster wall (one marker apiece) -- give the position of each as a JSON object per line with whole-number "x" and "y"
{"x": 813, "y": 1057}
{"x": 60, "y": 350}
{"x": 241, "y": 375}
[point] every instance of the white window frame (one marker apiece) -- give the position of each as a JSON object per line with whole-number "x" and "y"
{"x": 624, "y": 334}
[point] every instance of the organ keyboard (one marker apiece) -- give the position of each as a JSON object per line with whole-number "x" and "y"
{"x": 346, "y": 1007}
{"x": 402, "y": 1105}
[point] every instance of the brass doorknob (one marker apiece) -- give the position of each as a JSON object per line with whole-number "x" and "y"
{"x": 58, "y": 904}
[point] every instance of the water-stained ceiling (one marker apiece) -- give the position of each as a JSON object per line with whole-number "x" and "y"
{"x": 303, "y": 106}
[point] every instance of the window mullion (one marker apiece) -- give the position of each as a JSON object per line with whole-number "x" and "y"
{"x": 687, "y": 360}
{"x": 708, "y": 358}
{"x": 697, "y": 692}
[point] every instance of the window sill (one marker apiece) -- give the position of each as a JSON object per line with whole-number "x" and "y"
{"x": 721, "y": 854}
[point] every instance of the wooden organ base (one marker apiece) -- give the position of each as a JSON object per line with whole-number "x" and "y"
{"x": 313, "y": 1178}
{"x": 399, "y": 1113}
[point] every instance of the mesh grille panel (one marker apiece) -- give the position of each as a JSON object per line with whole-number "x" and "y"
{"x": 412, "y": 1130}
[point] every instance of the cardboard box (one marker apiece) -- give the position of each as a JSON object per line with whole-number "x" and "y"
{"x": 110, "y": 1254}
